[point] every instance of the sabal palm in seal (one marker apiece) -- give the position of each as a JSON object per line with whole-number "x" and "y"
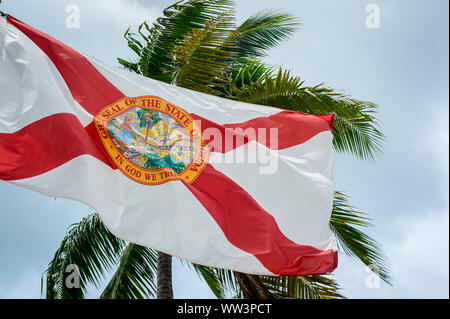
{"x": 147, "y": 119}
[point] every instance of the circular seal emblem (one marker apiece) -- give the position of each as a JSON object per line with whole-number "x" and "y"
{"x": 151, "y": 140}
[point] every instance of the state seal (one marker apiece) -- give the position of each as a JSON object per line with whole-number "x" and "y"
{"x": 151, "y": 140}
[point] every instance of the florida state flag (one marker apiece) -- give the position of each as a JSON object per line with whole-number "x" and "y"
{"x": 210, "y": 180}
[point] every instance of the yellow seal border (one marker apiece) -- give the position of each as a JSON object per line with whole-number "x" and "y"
{"x": 160, "y": 175}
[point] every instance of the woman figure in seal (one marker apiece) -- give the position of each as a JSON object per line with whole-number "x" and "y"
{"x": 126, "y": 131}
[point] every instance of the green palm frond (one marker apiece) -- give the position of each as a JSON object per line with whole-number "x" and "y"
{"x": 89, "y": 246}
{"x": 296, "y": 287}
{"x": 354, "y": 242}
{"x": 205, "y": 57}
{"x": 130, "y": 66}
{"x": 249, "y": 71}
{"x": 356, "y": 129}
{"x": 229, "y": 282}
{"x": 135, "y": 275}
{"x": 264, "y": 31}
{"x": 154, "y": 44}
{"x": 305, "y": 287}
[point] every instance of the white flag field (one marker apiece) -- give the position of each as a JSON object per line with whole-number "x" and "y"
{"x": 211, "y": 180}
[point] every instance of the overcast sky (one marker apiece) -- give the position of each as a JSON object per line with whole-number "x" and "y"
{"x": 402, "y": 66}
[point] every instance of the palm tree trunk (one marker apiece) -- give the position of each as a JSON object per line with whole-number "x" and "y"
{"x": 164, "y": 277}
{"x": 146, "y": 135}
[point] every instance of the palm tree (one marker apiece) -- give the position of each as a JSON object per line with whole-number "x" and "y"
{"x": 147, "y": 119}
{"x": 196, "y": 45}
